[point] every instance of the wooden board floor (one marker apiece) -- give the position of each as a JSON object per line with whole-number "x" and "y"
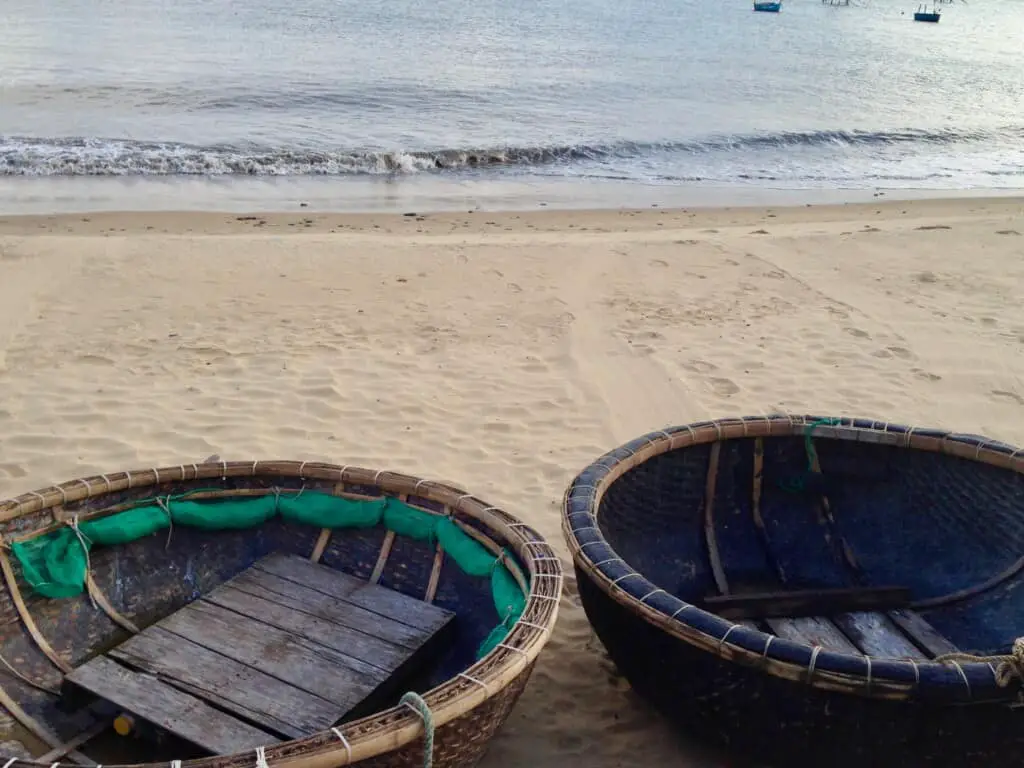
{"x": 283, "y": 650}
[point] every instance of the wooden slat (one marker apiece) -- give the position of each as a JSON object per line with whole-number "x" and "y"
{"x": 101, "y": 600}
{"x": 26, "y": 617}
{"x": 310, "y": 666}
{"x": 711, "y": 539}
{"x": 811, "y": 602}
{"x": 382, "y": 558}
{"x": 375, "y": 652}
{"x": 176, "y": 711}
{"x": 336, "y": 609}
{"x": 922, "y": 633}
{"x": 876, "y": 635}
{"x": 321, "y": 544}
{"x": 385, "y": 602}
{"x": 813, "y": 630}
{"x": 258, "y": 697}
{"x": 54, "y": 755}
{"x": 435, "y": 575}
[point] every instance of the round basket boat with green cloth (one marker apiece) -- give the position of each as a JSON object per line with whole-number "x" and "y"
{"x": 238, "y": 614}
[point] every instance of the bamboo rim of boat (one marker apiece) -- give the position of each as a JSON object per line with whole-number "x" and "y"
{"x": 885, "y": 678}
{"x": 391, "y": 729}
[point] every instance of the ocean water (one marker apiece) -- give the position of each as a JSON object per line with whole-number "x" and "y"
{"x": 672, "y": 93}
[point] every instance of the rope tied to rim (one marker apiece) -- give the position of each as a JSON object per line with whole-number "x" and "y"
{"x": 416, "y": 703}
{"x": 798, "y": 484}
{"x": 1008, "y": 666}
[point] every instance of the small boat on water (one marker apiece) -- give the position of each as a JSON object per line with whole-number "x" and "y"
{"x": 923, "y": 14}
{"x": 234, "y": 614}
{"x": 815, "y": 591}
{"x": 768, "y": 7}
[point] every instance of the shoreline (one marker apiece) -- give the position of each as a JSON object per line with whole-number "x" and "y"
{"x": 424, "y": 193}
{"x": 595, "y": 224}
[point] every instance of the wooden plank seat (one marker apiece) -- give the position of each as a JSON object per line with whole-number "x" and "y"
{"x": 884, "y": 627}
{"x": 283, "y": 650}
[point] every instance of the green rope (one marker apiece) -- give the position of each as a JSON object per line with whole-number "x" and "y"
{"x": 416, "y": 703}
{"x": 797, "y": 484}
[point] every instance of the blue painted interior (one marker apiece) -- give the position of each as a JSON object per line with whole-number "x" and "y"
{"x": 927, "y": 521}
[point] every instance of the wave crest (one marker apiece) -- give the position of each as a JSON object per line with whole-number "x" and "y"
{"x": 21, "y": 156}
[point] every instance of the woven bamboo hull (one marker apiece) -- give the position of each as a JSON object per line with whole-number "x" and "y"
{"x": 152, "y": 577}
{"x": 675, "y": 524}
{"x": 463, "y": 742}
{"x": 783, "y": 723}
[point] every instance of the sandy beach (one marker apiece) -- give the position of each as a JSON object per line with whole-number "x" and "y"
{"x": 500, "y": 352}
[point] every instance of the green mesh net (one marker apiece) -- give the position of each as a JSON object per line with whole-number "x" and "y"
{"x": 54, "y": 565}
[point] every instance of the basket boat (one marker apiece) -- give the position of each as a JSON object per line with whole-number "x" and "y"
{"x": 811, "y": 589}
{"x": 428, "y": 604}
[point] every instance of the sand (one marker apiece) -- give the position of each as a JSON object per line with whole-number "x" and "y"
{"x": 500, "y": 352}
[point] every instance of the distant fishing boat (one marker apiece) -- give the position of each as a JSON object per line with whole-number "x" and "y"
{"x": 923, "y": 14}
{"x": 768, "y": 7}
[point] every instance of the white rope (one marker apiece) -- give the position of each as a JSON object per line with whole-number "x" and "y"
{"x": 10, "y": 762}
{"x": 725, "y": 637}
{"x": 530, "y": 624}
{"x": 261, "y": 757}
{"x": 481, "y": 683}
{"x": 680, "y": 610}
{"x": 814, "y": 661}
{"x": 345, "y": 744}
{"x": 510, "y": 648}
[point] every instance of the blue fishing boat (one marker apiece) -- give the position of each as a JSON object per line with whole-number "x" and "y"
{"x": 813, "y": 591}
{"x": 768, "y": 7}
{"x": 923, "y": 14}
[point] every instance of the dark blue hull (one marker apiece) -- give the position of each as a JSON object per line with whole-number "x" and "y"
{"x": 673, "y": 525}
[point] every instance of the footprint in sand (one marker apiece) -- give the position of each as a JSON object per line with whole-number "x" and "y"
{"x": 700, "y": 366}
{"x": 901, "y": 352}
{"x": 857, "y": 333}
{"x": 926, "y": 375}
{"x": 1008, "y": 232}
{"x": 1003, "y": 394}
{"x": 933, "y": 226}
{"x": 659, "y": 263}
{"x": 723, "y": 387}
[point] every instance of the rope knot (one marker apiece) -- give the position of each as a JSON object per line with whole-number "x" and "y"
{"x": 1011, "y": 666}
{"x": 1005, "y": 667}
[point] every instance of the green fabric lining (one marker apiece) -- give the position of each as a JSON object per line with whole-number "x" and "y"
{"x": 55, "y": 564}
